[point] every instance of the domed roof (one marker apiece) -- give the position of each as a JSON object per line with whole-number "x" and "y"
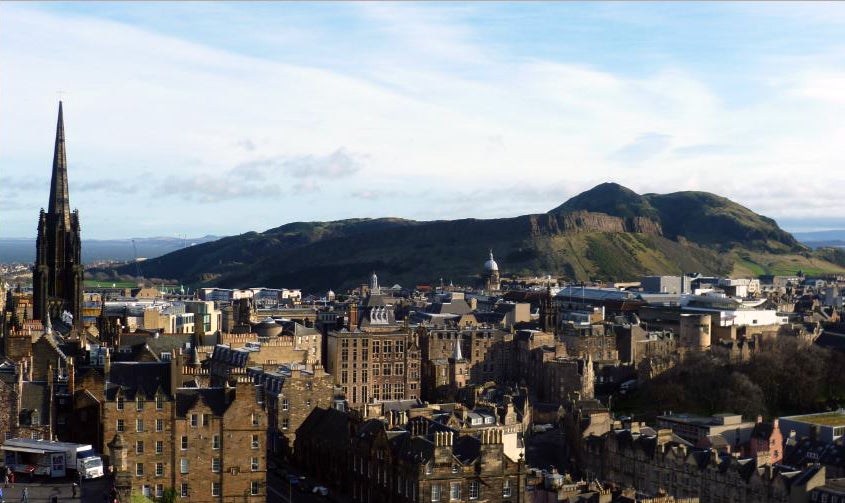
{"x": 491, "y": 264}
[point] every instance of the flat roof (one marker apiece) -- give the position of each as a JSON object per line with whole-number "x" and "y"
{"x": 836, "y": 418}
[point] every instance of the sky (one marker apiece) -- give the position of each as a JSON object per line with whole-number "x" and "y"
{"x": 221, "y": 118}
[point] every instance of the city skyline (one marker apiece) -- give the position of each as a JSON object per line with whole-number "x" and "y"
{"x": 263, "y": 114}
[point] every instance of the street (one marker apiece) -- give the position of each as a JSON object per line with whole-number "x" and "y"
{"x": 42, "y": 490}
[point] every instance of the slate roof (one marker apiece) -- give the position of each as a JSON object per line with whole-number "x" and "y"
{"x": 806, "y": 451}
{"x": 217, "y": 399}
{"x": 138, "y": 377}
{"x": 327, "y": 426}
{"x": 456, "y": 306}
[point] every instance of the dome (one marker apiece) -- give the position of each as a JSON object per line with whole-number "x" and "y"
{"x": 491, "y": 264}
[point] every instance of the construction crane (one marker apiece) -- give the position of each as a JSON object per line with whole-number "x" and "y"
{"x": 137, "y": 263}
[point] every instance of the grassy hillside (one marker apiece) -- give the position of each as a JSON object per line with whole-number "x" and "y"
{"x": 607, "y": 233}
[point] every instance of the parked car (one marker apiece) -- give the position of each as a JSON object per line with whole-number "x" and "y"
{"x": 321, "y": 490}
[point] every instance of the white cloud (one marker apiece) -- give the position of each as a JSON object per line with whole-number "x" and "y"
{"x": 434, "y": 108}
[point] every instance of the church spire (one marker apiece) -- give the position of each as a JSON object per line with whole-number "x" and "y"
{"x": 59, "y": 200}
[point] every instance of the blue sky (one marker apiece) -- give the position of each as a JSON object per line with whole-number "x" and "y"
{"x": 220, "y": 118}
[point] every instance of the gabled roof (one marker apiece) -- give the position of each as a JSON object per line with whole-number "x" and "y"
{"x": 217, "y": 399}
{"x": 138, "y": 377}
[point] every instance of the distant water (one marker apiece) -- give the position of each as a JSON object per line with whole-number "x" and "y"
{"x": 23, "y": 249}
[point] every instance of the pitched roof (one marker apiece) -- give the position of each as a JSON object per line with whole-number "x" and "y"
{"x": 138, "y": 377}
{"x": 217, "y": 399}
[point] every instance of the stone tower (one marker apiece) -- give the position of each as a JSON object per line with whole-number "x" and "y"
{"x": 57, "y": 274}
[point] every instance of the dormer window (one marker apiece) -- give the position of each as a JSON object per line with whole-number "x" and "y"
{"x": 159, "y": 402}
{"x": 119, "y": 402}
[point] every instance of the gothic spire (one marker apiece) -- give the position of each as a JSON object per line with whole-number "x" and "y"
{"x": 59, "y": 200}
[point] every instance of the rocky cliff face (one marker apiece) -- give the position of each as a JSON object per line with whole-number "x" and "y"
{"x": 586, "y": 221}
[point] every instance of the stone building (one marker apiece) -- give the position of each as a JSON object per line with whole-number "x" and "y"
{"x": 290, "y": 394}
{"x": 661, "y": 463}
{"x": 485, "y": 351}
{"x": 375, "y": 358}
{"x": 427, "y": 461}
{"x": 549, "y": 373}
{"x": 207, "y": 443}
{"x": 28, "y": 405}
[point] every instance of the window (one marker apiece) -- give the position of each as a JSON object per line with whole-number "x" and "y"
{"x": 119, "y": 402}
{"x": 435, "y": 492}
{"x": 139, "y": 424}
{"x": 285, "y": 423}
{"x": 159, "y": 469}
{"x": 193, "y": 420}
{"x": 254, "y": 419}
{"x": 474, "y": 490}
{"x": 285, "y": 404}
{"x": 506, "y": 488}
{"x": 215, "y": 488}
{"x": 183, "y": 490}
{"x": 308, "y": 403}
{"x": 455, "y": 468}
{"x": 159, "y": 446}
{"x": 139, "y": 469}
{"x": 159, "y": 490}
{"x": 385, "y": 370}
{"x": 139, "y": 447}
{"x": 139, "y": 403}
{"x": 206, "y": 419}
{"x": 255, "y": 441}
{"x": 254, "y": 464}
{"x": 159, "y": 402}
{"x": 184, "y": 443}
{"x": 183, "y": 465}
{"x": 159, "y": 424}
{"x": 253, "y": 488}
{"x": 120, "y": 426}
{"x": 215, "y": 465}
{"x": 455, "y": 491}
{"x": 429, "y": 469}
{"x": 215, "y": 442}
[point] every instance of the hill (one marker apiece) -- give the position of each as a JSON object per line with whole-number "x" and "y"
{"x": 608, "y": 232}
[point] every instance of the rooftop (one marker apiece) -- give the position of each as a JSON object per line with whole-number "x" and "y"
{"x": 836, "y": 418}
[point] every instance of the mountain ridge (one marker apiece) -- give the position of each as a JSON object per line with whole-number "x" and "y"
{"x": 608, "y": 232}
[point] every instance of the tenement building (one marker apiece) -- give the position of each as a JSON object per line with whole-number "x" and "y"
{"x": 427, "y": 461}
{"x": 207, "y": 443}
{"x": 57, "y": 274}
{"x": 374, "y": 358}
